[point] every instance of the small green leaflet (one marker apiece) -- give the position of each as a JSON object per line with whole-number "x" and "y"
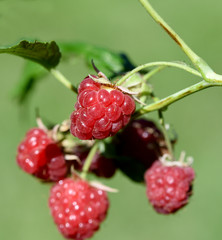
{"x": 46, "y": 54}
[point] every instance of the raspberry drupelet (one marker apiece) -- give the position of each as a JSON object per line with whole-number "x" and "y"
{"x": 40, "y": 156}
{"x": 77, "y": 208}
{"x": 101, "y": 111}
{"x": 168, "y": 187}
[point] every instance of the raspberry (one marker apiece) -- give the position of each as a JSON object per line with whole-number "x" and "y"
{"x": 100, "y": 166}
{"x": 168, "y": 187}
{"x": 77, "y": 208}
{"x": 145, "y": 137}
{"x": 101, "y": 111}
{"x": 41, "y": 156}
{"x": 138, "y": 146}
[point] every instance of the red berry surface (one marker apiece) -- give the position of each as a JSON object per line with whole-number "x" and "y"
{"x": 77, "y": 208}
{"x": 141, "y": 140}
{"x": 100, "y": 166}
{"x": 41, "y": 156}
{"x": 137, "y": 147}
{"x": 100, "y": 112}
{"x": 168, "y": 187}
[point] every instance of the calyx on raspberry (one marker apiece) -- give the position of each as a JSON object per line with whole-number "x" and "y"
{"x": 168, "y": 187}
{"x": 101, "y": 110}
{"x": 77, "y": 208}
{"x": 39, "y": 155}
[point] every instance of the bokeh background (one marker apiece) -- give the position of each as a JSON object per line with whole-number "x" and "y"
{"x": 121, "y": 26}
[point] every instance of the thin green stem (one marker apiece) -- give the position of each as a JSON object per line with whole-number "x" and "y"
{"x": 166, "y": 137}
{"x": 59, "y": 76}
{"x": 207, "y": 73}
{"x": 174, "y": 97}
{"x": 154, "y": 71}
{"x": 153, "y": 64}
{"x": 89, "y": 159}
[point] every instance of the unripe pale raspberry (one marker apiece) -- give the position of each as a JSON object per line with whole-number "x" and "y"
{"x": 168, "y": 187}
{"x": 40, "y": 156}
{"x": 77, "y": 208}
{"x": 101, "y": 111}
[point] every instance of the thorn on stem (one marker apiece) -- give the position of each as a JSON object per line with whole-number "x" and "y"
{"x": 94, "y": 66}
{"x": 100, "y": 74}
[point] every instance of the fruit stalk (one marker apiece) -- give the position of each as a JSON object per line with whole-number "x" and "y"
{"x": 160, "y": 64}
{"x": 61, "y": 78}
{"x": 207, "y": 73}
{"x": 147, "y": 76}
{"x": 173, "y": 98}
{"x": 166, "y": 137}
{"x": 89, "y": 159}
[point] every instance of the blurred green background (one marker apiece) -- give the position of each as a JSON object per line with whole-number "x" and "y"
{"x": 121, "y": 26}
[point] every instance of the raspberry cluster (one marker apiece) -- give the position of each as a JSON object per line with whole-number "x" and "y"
{"x": 168, "y": 187}
{"x": 77, "y": 208}
{"x": 41, "y": 156}
{"x": 101, "y": 111}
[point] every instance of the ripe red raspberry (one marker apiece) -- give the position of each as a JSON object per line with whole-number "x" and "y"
{"x": 168, "y": 187}
{"x": 77, "y": 208}
{"x": 41, "y": 156}
{"x": 138, "y": 146}
{"x": 145, "y": 137}
{"x": 100, "y": 166}
{"x": 101, "y": 111}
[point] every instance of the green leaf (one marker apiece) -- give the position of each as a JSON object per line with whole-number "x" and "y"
{"x": 32, "y": 72}
{"x": 46, "y": 54}
{"x": 107, "y": 61}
